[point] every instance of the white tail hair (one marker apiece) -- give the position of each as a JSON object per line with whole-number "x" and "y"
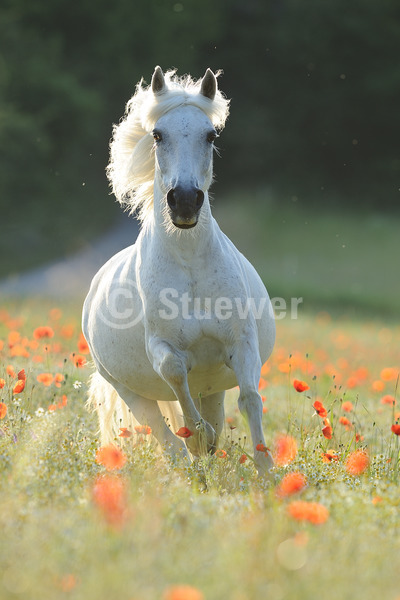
{"x": 132, "y": 161}
{"x": 113, "y": 414}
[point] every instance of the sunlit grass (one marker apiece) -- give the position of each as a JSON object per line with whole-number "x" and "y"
{"x": 213, "y": 526}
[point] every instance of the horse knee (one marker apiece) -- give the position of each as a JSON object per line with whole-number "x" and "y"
{"x": 250, "y": 403}
{"x": 172, "y": 369}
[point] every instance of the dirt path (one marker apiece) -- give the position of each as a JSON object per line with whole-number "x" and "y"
{"x": 71, "y": 277}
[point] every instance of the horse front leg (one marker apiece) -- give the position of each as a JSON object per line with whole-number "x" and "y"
{"x": 171, "y": 365}
{"x": 245, "y": 362}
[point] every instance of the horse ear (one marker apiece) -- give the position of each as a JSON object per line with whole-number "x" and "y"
{"x": 209, "y": 85}
{"x": 158, "y": 81}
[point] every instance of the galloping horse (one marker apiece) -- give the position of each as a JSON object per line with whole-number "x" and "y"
{"x": 181, "y": 316}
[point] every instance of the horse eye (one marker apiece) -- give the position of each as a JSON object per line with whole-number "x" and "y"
{"x": 157, "y": 136}
{"x": 212, "y": 136}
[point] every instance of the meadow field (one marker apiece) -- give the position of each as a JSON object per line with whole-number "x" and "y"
{"x": 78, "y": 522}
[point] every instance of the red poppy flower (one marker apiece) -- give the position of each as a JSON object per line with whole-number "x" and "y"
{"x": 300, "y": 386}
{"x": 243, "y": 459}
{"x": 396, "y": 429}
{"x": 110, "y": 457}
{"x": 285, "y": 450}
{"x": 320, "y": 409}
{"x": 184, "y": 432}
{"x": 19, "y": 386}
{"x": 313, "y": 512}
{"x": 3, "y": 410}
{"x": 109, "y": 495}
{"x": 43, "y": 332}
{"x": 2, "y": 383}
{"x": 262, "y": 448}
{"x": 388, "y": 399}
{"x": 292, "y": 483}
{"x": 347, "y": 406}
{"x": 329, "y": 456}
{"x": 327, "y": 431}
{"x": 83, "y": 345}
{"x": 78, "y": 360}
{"x": 357, "y": 462}
{"x": 22, "y": 375}
{"x": 125, "y": 433}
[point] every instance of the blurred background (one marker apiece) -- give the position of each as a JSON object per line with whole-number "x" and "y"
{"x": 309, "y": 180}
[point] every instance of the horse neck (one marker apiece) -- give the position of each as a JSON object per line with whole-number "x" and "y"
{"x": 184, "y": 245}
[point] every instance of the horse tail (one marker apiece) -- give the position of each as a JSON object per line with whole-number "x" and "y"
{"x": 113, "y": 414}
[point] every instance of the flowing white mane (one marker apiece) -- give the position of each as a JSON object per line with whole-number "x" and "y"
{"x": 131, "y": 167}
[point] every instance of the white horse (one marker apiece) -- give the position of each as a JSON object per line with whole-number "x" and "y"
{"x": 181, "y": 316}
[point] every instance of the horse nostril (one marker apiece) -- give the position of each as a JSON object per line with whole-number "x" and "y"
{"x": 199, "y": 199}
{"x": 171, "y": 199}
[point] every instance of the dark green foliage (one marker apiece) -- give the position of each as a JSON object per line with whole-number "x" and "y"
{"x": 315, "y": 89}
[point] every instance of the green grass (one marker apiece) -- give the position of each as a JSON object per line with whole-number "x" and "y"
{"x": 339, "y": 260}
{"x": 214, "y": 526}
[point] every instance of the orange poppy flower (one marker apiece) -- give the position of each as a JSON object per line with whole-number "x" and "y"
{"x": 110, "y": 457}
{"x": 320, "y": 409}
{"x": 109, "y": 495}
{"x": 13, "y": 338}
{"x": 389, "y": 374}
{"x": 243, "y": 459}
{"x": 396, "y": 429}
{"x": 144, "y": 429}
{"x": 10, "y": 371}
{"x": 285, "y": 450}
{"x": 347, "y": 406}
{"x": 2, "y": 383}
{"x": 58, "y": 379}
{"x": 345, "y": 421}
{"x": 3, "y": 410}
{"x": 300, "y": 386}
{"x": 357, "y": 462}
{"x": 52, "y": 407}
{"x": 376, "y": 500}
{"x": 292, "y": 483}
{"x": 125, "y": 433}
{"x": 78, "y": 360}
{"x": 220, "y": 453}
{"x": 378, "y": 385}
{"x": 388, "y": 399}
{"x": 313, "y": 512}
{"x": 68, "y": 582}
{"x": 83, "y": 345}
{"x": 43, "y": 332}
{"x": 63, "y": 401}
{"x": 45, "y": 378}
{"x": 182, "y": 592}
{"x": 184, "y": 432}
{"x": 19, "y": 386}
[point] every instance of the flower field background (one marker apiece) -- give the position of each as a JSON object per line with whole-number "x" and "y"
{"x": 83, "y": 522}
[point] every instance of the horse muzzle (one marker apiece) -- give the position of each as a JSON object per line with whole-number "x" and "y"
{"x": 184, "y": 206}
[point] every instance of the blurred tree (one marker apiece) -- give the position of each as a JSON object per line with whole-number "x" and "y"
{"x": 315, "y": 89}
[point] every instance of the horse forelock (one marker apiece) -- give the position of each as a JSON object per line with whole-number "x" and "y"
{"x": 131, "y": 167}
